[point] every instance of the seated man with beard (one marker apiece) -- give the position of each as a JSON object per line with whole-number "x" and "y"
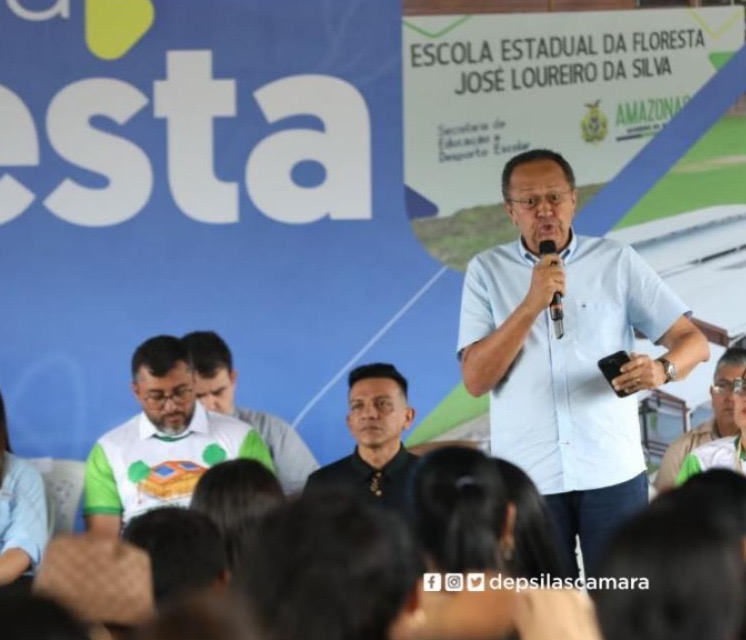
{"x": 156, "y": 457}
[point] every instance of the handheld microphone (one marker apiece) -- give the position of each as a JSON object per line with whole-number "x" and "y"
{"x": 555, "y": 306}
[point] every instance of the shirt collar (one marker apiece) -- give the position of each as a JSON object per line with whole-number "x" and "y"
{"x": 363, "y": 469}
{"x": 146, "y": 429}
{"x": 529, "y": 258}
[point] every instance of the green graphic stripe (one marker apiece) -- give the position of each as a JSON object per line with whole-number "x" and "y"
{"x": 440, "y": 33}
{"x": 455, "y": 409}
{"x": 719, "y": 59}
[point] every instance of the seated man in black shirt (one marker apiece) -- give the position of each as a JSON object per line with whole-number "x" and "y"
{"x": 378, "y": 414}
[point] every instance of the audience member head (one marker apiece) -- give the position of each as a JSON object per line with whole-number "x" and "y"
{"x": 29, "y": 617}
{"x": 329, "y": 567}
{"x": 163, "y": 383}
{"x": 535, "y": 550}
{"x": 378, "y": 411}
{"x": 719, "y": 495}
{"x": 185, "y": 549}
{"x": 235, "y": 494}
{"x": 460, "y": 511}
{"x": 730, "y": 367}
{"x": 214, "y": 375}
{"x": 694, "y": 572}
{"x": 202, "y": 616}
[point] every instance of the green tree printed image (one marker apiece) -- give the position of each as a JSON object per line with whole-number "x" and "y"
{"x": 214, "y": 454}
{"x": 137, "y": 472}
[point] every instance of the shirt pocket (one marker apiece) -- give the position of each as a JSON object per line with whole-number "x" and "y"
{"x": 597, "y": 328}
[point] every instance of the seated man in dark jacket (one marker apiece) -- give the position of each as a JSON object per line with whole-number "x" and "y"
{"x": 378, "y": 414}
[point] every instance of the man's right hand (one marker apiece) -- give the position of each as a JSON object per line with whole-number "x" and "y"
{"x": 547, "y": 278}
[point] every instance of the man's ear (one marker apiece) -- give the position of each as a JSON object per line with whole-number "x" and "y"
{"x": 511, "y": 214}
{"x": 234, "y": 376}
{"x": 135, "y": 389}
{"x": 410, "y": 414}
{"x": 574, "y": 197}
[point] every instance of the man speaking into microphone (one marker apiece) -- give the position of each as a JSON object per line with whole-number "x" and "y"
{"x": 551, "y": 410}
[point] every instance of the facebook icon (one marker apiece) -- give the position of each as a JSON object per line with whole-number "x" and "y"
{"x": 432, "y": 582}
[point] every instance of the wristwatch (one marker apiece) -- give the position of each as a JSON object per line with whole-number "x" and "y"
{"x": 669, "y": 369}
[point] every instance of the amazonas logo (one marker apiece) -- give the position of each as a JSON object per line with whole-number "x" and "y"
{"x": 112, "y": 27}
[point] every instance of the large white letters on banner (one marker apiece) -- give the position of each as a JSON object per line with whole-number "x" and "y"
{"x": 343, "y": 147}
{"x": 189, "y": 99}
{"x": 19, "y": 147}
{"x": 191, "y": 150}
{"x": 61, "y": 9}
{"x": 130, "y": 176}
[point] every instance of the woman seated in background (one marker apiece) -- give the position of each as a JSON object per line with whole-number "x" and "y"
{"x": 23, "y": 516}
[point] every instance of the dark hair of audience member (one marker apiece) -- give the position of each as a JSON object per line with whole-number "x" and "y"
{"x": 535, "y": 552}
{"x": 235, "y": 494}
{"x": 327, "y": 566}
{"x": 459, "y": 508}
{"x": 695, "y": 575}
{"x": 4, "y": 437}
{"x": 201, "y": 616}
{"x": 721, "y": 492}
{"x": 185, "y": 549}
{"x": 159, "y": 355}
{"x": 209, "y": 352}
{"x": 30, "y": 617}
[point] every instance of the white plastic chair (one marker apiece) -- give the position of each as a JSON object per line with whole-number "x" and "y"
{"x": 63, "y": 484}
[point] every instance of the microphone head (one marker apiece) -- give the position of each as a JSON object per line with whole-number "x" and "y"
{"x": 546, "y": 247}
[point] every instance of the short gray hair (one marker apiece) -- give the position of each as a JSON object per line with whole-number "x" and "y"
{"x": 733, "y": 357}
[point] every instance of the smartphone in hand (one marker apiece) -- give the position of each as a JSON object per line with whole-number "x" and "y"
{"x": 610, "y": 366}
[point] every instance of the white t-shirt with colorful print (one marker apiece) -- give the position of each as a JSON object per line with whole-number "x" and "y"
{"x": 135, "y": 468}
{"x": 723, "y": 453}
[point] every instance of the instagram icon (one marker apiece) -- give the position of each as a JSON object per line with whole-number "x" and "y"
{"x": 454, "y": 581}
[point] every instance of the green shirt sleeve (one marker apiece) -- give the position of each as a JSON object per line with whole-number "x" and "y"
{"x": 254, "y": 447}
{"x": 100, "y": 496}
{"x": 689, "y": 468}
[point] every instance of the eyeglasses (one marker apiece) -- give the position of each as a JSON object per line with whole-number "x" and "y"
{"x": 158, "y": 399}
{"x": 737, "y": 387}
{"x": 532, "y": 202}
